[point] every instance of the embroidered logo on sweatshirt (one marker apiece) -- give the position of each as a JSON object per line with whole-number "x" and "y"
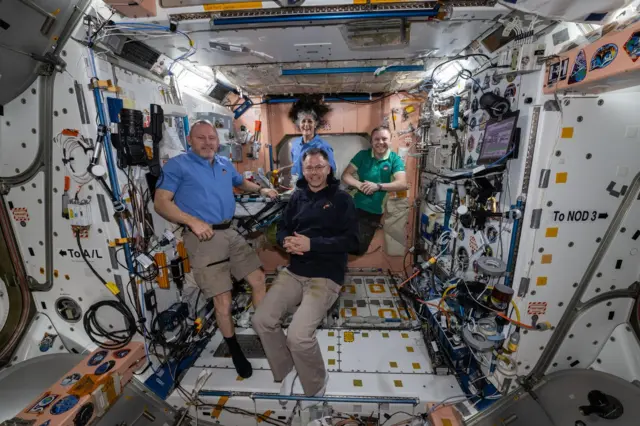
{"x": 327, "y": 205}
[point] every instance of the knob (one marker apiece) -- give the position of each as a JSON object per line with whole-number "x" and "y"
{"x": 602, "y": 405}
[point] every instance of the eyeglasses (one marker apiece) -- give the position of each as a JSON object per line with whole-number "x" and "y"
{"x": 316, "y": 169}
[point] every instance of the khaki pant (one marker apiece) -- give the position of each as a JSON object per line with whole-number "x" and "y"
{"x": 300, "y": 347}
{"x": 214, "y": 261}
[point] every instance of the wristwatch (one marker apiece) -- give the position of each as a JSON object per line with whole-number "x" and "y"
{"x": 379, "y": 187}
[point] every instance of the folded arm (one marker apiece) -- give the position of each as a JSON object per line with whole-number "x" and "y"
{"x": 347, "y": 237}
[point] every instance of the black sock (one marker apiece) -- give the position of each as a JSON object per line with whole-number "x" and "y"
{"x": 243, "y": 366}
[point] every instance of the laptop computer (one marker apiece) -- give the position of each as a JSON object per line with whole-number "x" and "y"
{"x": 497, "y": 144}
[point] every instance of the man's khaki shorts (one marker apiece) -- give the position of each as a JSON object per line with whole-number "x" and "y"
{"x": 214, "y": 261}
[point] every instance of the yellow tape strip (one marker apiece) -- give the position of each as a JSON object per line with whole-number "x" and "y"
{"x": 232, "y": 6}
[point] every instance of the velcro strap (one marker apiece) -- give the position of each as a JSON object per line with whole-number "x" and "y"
{"x": 219, "y": 262}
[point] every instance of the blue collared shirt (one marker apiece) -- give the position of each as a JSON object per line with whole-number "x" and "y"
{"x": 202, "y": 189}
{"x": 298, "y": 149}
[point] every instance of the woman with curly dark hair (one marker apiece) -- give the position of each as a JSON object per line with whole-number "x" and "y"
{"x": 308, "y": 114}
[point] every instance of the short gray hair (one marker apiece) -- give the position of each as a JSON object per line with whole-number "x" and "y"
{"x": 200, "y": 122}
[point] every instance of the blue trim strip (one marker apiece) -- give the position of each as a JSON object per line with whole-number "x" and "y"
{"x": 351, "y": 70}
{"x": 456, "y": 112}
{"x": 185, "y": 122}
{"x": 108, "y": 155}
{"x": 328, "y": 17}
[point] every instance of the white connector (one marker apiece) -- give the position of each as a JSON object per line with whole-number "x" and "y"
{"x": 144, "y": 260}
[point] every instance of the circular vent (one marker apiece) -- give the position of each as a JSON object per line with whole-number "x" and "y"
{"x": 68, "y": 309}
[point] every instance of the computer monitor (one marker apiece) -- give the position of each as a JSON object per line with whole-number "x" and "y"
{"x": 498, "y": 138}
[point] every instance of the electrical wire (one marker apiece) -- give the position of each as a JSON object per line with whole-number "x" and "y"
{"x": 70, "y": 145}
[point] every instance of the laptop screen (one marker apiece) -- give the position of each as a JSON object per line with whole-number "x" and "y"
{"x": 498, "y": 137}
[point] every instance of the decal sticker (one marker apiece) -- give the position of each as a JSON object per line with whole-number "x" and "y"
{"x": 579, "y": 70}
{"x": 579, "y": 215}
{"x": 462, "y": 257}
{"x": 474, "y": 105}
{"x": 488, "y": 251}
{"x": 84, "y": 414}
{"x": 105, "y": 367}
{"x": 525, "y": 61}
{"x": 71, "y": 379}
{"x": 604, "y": 56}
{"x": 473, "y": 123}
{"x": 121, "y": 353}
{"x": 511, "y": 78}
{"x": 632, "y": 46}
{"x": 564, "y": 69}
{"x": 510, "y": 92}
{"x": 496, "y": 79}
{"x": 537, "y": 308}
{"x": 487, "y": 81}
{"x": 92, "y": 255}
{"x": 473, "y": 245}
{"x": 496, "y": 91}
{"x": 471, "y": 143}
{"x": 492, "y": 234}
{"x": 20, "y": 214}
{"x": 47, "y": 341}
{"x": 461, "y": 234}
{"x": 554, "y": 73}
{"x": 41, "y": 405}
{"x": 97, "y": 358}
{"x": 64, "y": 405}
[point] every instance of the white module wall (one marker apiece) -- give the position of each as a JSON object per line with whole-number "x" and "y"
{"x": 470, "y": 242}
{"x": 19, "y": 133}
{"x": 587, "y": 156}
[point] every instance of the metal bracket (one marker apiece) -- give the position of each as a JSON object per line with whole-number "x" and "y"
{"x": 544, "y": 178}
{"x": 536, "y": 217}
{"x": 36, "y": 286}
{"x": 524, "y": 286}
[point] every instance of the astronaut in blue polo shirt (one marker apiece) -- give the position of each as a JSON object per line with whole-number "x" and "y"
{"x": 196, "y": 190}
{"x": 308, "y": 115}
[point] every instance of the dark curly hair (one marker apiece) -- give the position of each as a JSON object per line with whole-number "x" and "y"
{"x": 310, "y": 104}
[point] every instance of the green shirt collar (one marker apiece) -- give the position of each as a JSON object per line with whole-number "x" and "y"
{"x": 386, "y": 155}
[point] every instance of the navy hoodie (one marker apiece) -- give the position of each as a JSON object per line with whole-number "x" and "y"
{"x": 328, "y": 218}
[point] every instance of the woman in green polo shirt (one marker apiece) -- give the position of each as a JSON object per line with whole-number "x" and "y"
{"x": 379, "y": 171}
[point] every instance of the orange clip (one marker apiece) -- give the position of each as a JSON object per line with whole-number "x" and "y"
{"x": 258, "y": 125}
{"x": 70, "y": 132}
{"x": 67, "y": 183}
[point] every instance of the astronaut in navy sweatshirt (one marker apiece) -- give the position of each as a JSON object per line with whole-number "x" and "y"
{"x": 319, "y": 227}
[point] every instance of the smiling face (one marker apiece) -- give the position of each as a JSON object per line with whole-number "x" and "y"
{"x": 307, "y": 123}
{"x": 380, "y": 140}
{"x": 203, "y": 139}
{"x": 315, "y": 169}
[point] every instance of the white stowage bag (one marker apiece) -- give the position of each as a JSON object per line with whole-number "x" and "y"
{"x": 395, "y": 225}
{"x": 170, "y": 145}
{"x": 567, "y": 10}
